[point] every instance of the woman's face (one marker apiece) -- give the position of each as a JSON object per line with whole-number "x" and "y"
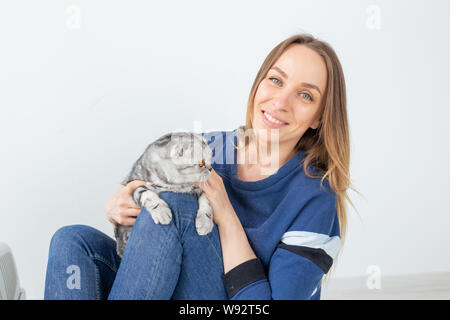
{"x": 291, "y": 92}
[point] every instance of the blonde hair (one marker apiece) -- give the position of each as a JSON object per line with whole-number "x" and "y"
{"x": 326, "y": 148}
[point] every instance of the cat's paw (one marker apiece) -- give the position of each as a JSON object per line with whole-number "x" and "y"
{"x": 204, "y": 223}
{"x": 160, "y": 212}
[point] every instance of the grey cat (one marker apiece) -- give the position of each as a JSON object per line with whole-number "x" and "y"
{"x": 171, "y": 163}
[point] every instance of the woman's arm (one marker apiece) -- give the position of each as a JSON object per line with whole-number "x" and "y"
{"x": 242, "y": 269}
{"x": 235, "y": 246}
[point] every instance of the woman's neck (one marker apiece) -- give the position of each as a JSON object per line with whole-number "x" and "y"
{"x": 264, "y": 158}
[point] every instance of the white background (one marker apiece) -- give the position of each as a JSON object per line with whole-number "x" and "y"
{"x": 80, "y": 99}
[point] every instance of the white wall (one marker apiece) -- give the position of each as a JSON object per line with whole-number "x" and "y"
{"x": 81, "y": 99}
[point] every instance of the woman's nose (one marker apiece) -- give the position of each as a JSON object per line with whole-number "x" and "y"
{"x": 283, "y": 98}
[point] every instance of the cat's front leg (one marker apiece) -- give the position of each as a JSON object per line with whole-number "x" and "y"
{"x": 157, "y": 207}
{"x": 204, "y": 221}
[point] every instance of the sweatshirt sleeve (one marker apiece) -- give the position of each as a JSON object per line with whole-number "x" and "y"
{"x": 302, "y": 257}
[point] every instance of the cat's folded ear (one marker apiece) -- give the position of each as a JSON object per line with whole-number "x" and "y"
{"x": 164, "y": 139}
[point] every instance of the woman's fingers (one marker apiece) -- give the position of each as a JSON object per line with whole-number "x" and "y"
{"x": 128, "y": 203}
{"x": 126, "y": 221}
{"x": 127, "y": 198}
{"x": 132, "y": 185}
{"x": 130, "y": 212}
{"x": 120, "y": 207}
{"x": 209, "y": 184}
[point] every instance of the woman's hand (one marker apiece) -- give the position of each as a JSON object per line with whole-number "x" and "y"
{"x": 120, "y": 208}
{"x": 218, "y": 198}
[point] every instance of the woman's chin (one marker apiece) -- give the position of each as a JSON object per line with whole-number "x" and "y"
{"x": 268, "y": 136}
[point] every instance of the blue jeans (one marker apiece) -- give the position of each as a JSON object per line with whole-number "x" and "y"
{"x": 160, "y": 261}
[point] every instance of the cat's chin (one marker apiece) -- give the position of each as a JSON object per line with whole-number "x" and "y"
{"x": 204, "y": 178}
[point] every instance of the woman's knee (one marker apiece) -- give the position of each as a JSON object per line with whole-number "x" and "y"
{"x": 185, "y": 204}
{"x": 183, "y": 207}
{"x": 71, "y": 236}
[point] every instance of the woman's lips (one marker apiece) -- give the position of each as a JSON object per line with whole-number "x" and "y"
{"x": 270, "y": 123}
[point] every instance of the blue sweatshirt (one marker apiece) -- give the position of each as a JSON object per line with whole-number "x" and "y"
{"x": 291, "y": 224}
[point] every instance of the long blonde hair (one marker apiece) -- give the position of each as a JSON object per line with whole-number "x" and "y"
{"x": 326, "y": 148}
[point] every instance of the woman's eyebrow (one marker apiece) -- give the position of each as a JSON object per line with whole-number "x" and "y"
{"x": 305, "y": 84}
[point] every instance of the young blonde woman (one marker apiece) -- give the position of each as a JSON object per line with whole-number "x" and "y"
{"x": 280, "y": 221}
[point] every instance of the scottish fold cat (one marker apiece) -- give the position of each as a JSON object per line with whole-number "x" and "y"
{"x": 171, "y": 163}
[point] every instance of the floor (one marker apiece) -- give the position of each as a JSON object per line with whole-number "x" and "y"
{"x": 431, "y": 286}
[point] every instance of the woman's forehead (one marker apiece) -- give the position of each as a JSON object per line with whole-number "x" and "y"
{"x": 302, "y": 64}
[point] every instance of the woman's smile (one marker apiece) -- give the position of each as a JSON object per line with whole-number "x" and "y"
{"x": 270, "y": 120}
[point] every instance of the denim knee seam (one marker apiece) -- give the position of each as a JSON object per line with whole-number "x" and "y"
{"x": 209, "y": 236}
{"x": 104, "y": 261}
{"x": 97, "y": 282}
{"x": 186, "y": 223}
{"x": 159, "y": 255}
{"x": 218, "y": 250}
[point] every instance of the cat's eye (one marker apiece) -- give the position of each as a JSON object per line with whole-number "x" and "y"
{"x": 202, "y": 163}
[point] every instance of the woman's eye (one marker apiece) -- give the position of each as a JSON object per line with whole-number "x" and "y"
{"x": 307, "y": 96}
{"x": 271, "y": 79}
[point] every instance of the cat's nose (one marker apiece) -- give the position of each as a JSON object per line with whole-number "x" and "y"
{"x": 202, "y": 164}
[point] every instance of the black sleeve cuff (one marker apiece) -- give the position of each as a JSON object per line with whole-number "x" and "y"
{"x": 242, "y": 275}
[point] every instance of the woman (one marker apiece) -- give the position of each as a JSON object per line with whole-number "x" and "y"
{"x": 279, "y": 220}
